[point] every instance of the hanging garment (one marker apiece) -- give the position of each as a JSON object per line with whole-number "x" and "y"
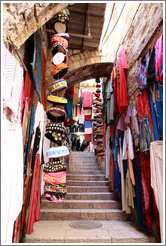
{"x": 43, "y": 81}
{"x": 107, "y": 151}
{"x": 117, "y": 180}
{"x": 138, "y": 191}
{"x": 87, "y": 124}
{"x": 88, "y": 137}
{"x": 144, "y": 107}
{"x": 87, "y": 99}
{"x": 11, "y": 178}
{"x": 123, "y": 192}
{"x": 156, "y": 167}
{"x": 69, "y": 108}
{"x": 143, "y": 66}
{"x": 70, "y": 93}
{"x": 135, "y": 126}
{"x": 146, "y": 190}
{"x": 128, "y": 152}
{"x": 110, "y": 102}
{"x": 151, "y": 77}
{"x": 129, "y": 194}
{"x": 37, "y": 62}
{"x": 12, "y": 84}
{"x": 121, "y": 81}
{"x": 34, "y": 205}
{"x": 159, "y": 59}
{"x": 155, "y": 97}
{"x": 146, "y": 134}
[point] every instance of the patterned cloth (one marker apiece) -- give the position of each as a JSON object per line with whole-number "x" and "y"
{"x": 143, "y": 66}
{"x": 37, "y": 62}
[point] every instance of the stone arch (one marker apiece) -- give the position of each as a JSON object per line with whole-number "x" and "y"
{"x": 20, "y": 21}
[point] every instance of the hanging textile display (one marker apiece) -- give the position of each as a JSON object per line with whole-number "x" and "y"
{"x": 37, "y": 62}
{"x": 156, "y": 167}
{"x": 98, "y": 134}
{"x": 60, "y": 111}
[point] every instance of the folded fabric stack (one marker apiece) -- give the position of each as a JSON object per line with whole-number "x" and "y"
{"x": 98, "y": 136}
{"x": 55, "y": 176}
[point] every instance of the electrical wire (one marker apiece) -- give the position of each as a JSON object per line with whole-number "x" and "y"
{"x": 115, "y": 23}
{"x": 108, "y": 23}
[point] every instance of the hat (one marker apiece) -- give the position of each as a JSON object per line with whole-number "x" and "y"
{"x": 58, "y": 85}
{"x": 56, "y": 99}
{"x": 59, "y": 48}
{"x": 98, "y": 86}
{"x": 98, "y": 90}
{"x": 58, "y": 58}
{"x": 58, "y": 40}
{"x": 55, "y": 152}
{"x": 55, "y": 189}
{"x": 55, "y": 166}
{"x": 97, "y": 94}
{"x": 60, "y": 70}
{"x": 56, "y": 111}
{"x": 60, "y": 27}
{"x": 64, "y": 35}
{"x": 55, "y": 178}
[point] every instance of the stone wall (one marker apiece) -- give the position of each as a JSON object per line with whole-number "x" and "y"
{"x": 21, "y": 20}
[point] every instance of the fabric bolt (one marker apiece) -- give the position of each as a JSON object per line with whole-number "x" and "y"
{"x": 159, "y": 59}
{"x": 156, "y": 167}
{"x": 34, "y": 205}
{"x": 37, "y": 62}
{"x": 88, "y": 130}
{"x": 12, "y": 84}
{"x": 129, "y": 194}
{"x": 88, "y": 137}
{"x": 87, "y": 111}
{"x": 12, "y": 178}
{"x": 121, "y": 81}
{"x": 87, "y": 99}
{"x": 88, "y": 124}
{"x": 69, "y": 108}
{"x": 155, "y": 97}
{"x": 87, "y": 117}
{"x": 144, "y": 107}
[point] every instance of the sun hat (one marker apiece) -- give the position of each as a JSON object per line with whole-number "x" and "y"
{"x": 56, "y": 111}
{"x": 55, "y": 178}
{"x": 58, "y": 85}
{"x": 60, "y": 70}
{"x": 55, "y": 99}
{"x": 55, "y": 152}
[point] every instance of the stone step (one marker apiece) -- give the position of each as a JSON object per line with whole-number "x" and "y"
{"x": 108, "y": 231}
{"x": 79, "y": 204}
{"x": 87, "y": 183}
{"x": 86, "y": 177}
{"x": 87, "y": 172}
{"x": 82, "y": 214}
{"x": 90, "y": 195}
{"x": 84, "y": 154}
{"x": 88, "y": 188}
{"x": 82, "y": 163}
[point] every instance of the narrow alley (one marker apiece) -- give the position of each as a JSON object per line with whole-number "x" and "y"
{"x": 82, "y": 124}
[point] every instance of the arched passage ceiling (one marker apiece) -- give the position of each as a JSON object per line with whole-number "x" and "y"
{"x": 82, "y": 16}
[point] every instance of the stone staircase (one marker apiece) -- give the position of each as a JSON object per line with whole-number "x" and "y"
{"x": 89, "y": 213}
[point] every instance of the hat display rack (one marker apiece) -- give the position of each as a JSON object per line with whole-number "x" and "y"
{"x": 97, "y": 121}
{"x": 55, "y": 170}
